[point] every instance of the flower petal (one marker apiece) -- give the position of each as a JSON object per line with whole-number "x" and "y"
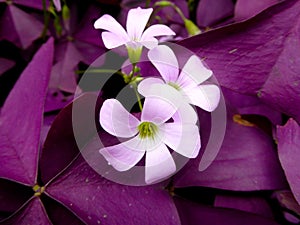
{"x": 116, "y": 120}
{"x": 165, "y": 61}
{"x": 185, "y": 114}
{"x": 112, "y": 40}
{"x": 182, "y": 138}
{"x": 159, "y": 164}
{"x": 145, "y": 85}
{"x": 122, "y": 156}
{"x": 148, "y": 39}
{"x": 157, "y": 30}
{"x": 161, "y": 103}
{"x": 195, "y": 70}
{"x": 107, "y": 22}
{"x": 137, "y": 20}
{"x": 206, "y": 97}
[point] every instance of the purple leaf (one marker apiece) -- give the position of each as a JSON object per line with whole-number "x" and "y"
{"x": 12, "y": 196}
{"x": 5, "y": 64}
{"x": 211, "y": 12}
{"x": 21, "y": 119}
{"x": 31, "y": 213}
{"x": 67, "y": 58}
{"x": 287, "y": 201}
{"x": 245, "y": 9}
{"x": 205, "y": 215}
{"x": 289, "y": 154}
{"x": 56, "y": 100}
{"x": 258, "y": 57}
{"x": 98, "y": 201}
{"x": 60, "y": 145}
{"x": 35, "y": 4}
{"x": 247, "y": 161}
{"x": 251, "y": 204}
{"x": 19, "y": 27}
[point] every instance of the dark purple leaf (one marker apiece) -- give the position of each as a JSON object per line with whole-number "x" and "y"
{"x": 251, "y": 204}
{"x": 99, "y": 201}
{"x": 211, "y": 12}
{"x": 21, "y": 119}
{"x": 56, "y": 100}
{"x": 258, "y": 57}
{"x": 192, "y": 213}
{"x": 247, "y": 161}
{"x": 35, "y": 4}
{"x": 289, "y": 154}
{"x": 5, "y": 64}
{"x": 60, "y": 145}
{"x": 31, "y": 213}
{"x": 245, "y": 9}
{"x": 287, "y": 201}
{"x": 19, "y": 27}
{"x": 12, "y": 196}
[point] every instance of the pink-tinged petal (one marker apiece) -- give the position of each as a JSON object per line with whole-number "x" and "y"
{"x": 195, "y": 70}
{"x": 165, "y": 61}
{"x": 182, "y": 138}
{"x": 107, "y": 22}
{"x": 57, "y": 5}
{"x": 207, "y": 97}
{"x": 289, "y": 154}
{"x": 149, "y": 43}
{"x": 123, "y": 156}
{"x": 112, "y": 40}
{"x": 185, "y": 114}
{"x": 137, "y": 20}
{"x": 159, "y": 164}
{"x": 115, "y": 119}
{"x": 145, "y": 85}
{"x": 161, "y": 103}
{"x": 153, "y": 31}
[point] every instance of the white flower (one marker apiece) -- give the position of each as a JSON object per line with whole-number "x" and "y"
{"x": 135, "y": 37}
{"x": 151, "y": 135}
{"x": 187, "y": 82}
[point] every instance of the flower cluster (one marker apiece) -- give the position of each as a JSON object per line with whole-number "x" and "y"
{"x": 168, "y": 119}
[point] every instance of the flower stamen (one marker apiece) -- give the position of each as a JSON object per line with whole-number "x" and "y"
{"x": 147, "y": 130}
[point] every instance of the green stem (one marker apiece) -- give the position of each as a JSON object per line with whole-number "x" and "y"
{"x": 137, "y": 96}
{"x": 147, "y": 3}
{"x": 46, "y": 20}
{"x": 100, "y": 71}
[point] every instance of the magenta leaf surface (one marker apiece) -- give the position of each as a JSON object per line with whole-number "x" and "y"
{"x": 289, "y": 154}
{"x": 259, "y": 56}
{"x": 247, "y": 161}
{"x": 21, "y": 119}
{"x": 19, "y": 27}
{"x": 96, "y": 200}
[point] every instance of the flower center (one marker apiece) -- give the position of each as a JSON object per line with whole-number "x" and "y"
{"x": 38, "y": 190}
{"x": 174, "y": 85}
{"x": 147, "y": 130}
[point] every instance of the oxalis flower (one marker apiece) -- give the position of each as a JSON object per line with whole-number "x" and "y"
{"x": 135, "y": 37}
{"x": 188, "y": 82}
{"x": 150, "y": 135}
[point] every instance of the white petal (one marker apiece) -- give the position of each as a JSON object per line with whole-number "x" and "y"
{"x": 107, "y": 22}
{"x": 148, "y": 39}
{"x": 206, "y": 97}
{"x": 159, "y": 164}
{"x": 145, "y": 85}
{"x": 182, "y": 138}
{"x": 150, "y": 43}
{"x": 116, "y": 120}
{"x": 137, "y": 20}
{"x": 121, "y": 157}
{"x": 112, "y": 40}
{"x": 185, "y": 114}
{"x": 165, "y": 61}
{"x": 161, "y": 103}
{"x": 195, "y": 70}
{"x": 157, "y": 30}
